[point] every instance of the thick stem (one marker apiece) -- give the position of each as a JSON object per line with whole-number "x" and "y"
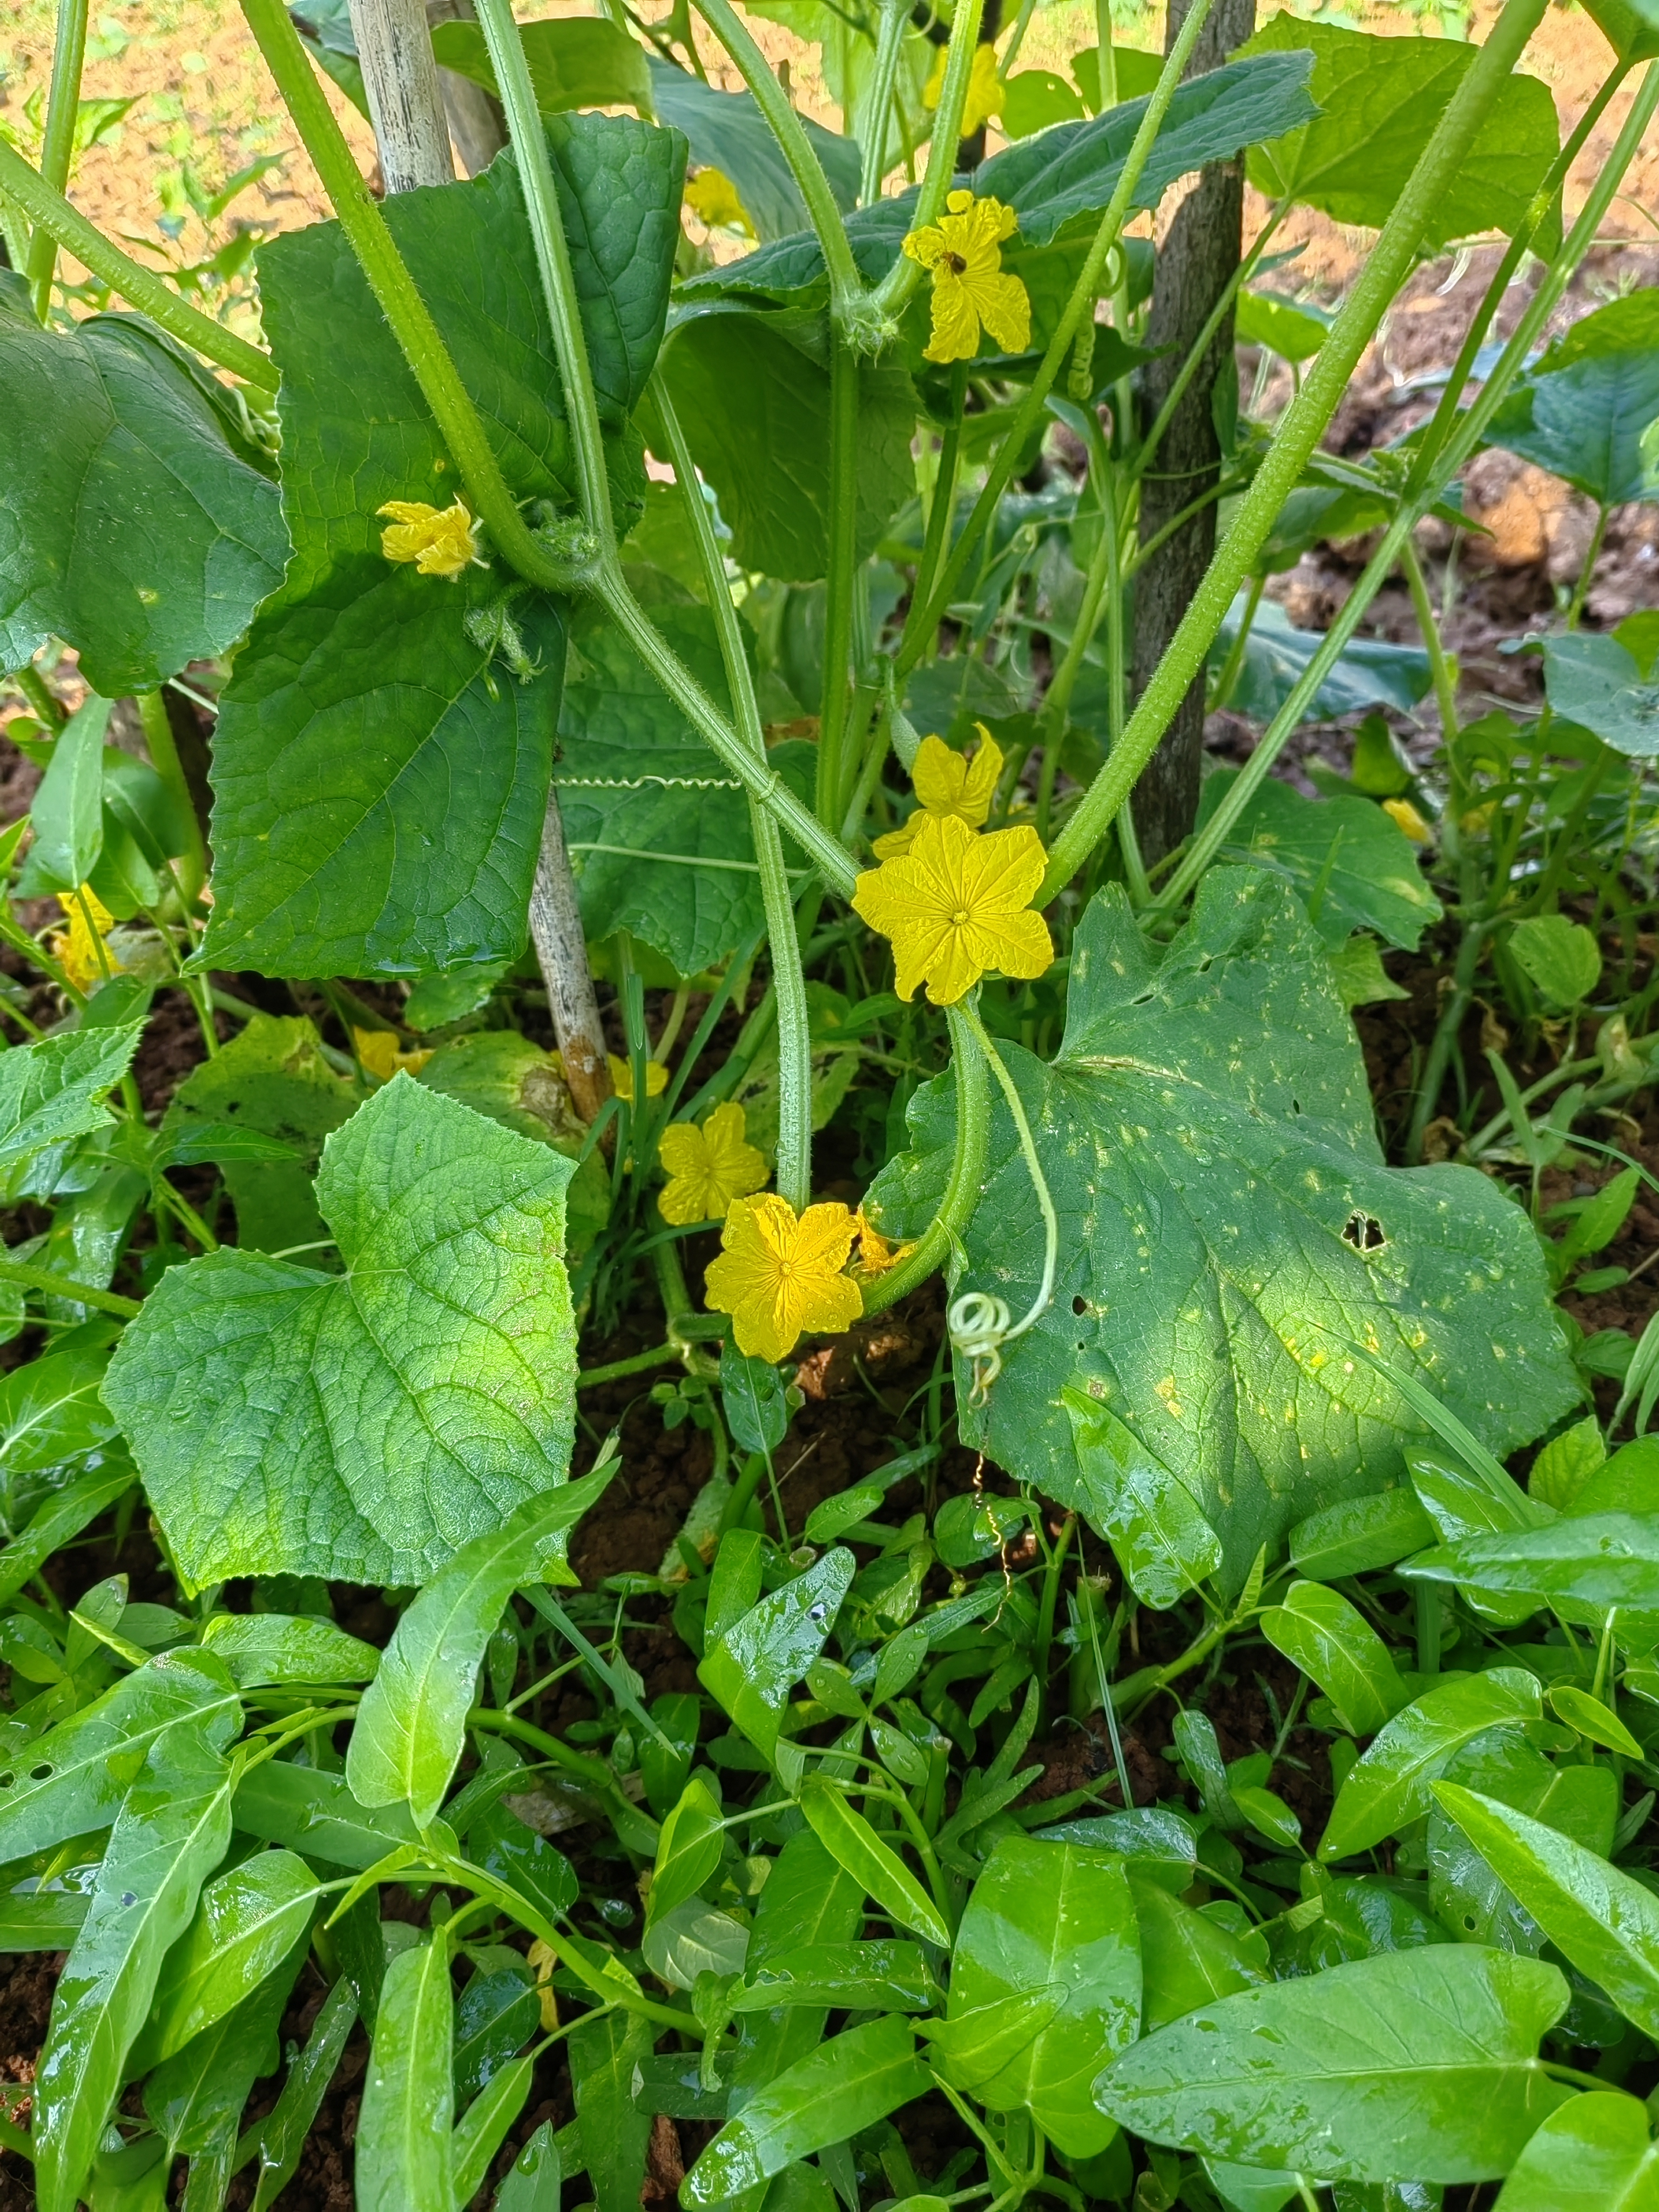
{"x": 1084, "y": 292}
{"x": 555, "y": 931}
{"x": 48, "y": 212}
{"x": 400, "y": 77}
{"x": 794, "y": 1170}
{"x": 963, "y": 1191}
{"x": 889, "y": 45}
{"x": 1299, "y": 432}
{"x": 163, "y": 752}
{"x": 840, "y": 576}
{"x": 846, "y": 293}
{"x": 1450, "y": 440}
{"x": 57, "y": 153}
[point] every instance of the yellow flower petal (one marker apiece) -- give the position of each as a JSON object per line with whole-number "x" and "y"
{"x": 1402, "y": 811}
{"x": 779, "y": 1276}
{"x": 712, "y": 196}
{"x": 440, "y": 541}
{"x": 963, "y": 250}
{"x": 948, "y": 782}
{"x": 985, "y": 89}
{"x": 379, "y": 1051}
{"x": 621, "y": 1077}
{"x": 710, "y": 1167}
{"x": 541, "y": 1959}
{"x": 75, "y": 949}
{"x": 876, "y": 1254}
{"x": 958, "y": 906}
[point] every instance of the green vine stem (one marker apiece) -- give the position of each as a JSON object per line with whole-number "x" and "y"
{"x": 883, "y": 78}
{"x": 897, "y": 287}
{"x": 164, "y": 759}
{"x": 1016, "y": 1106}
{"x": 841, "y": 577}
{"x": 27, "y": 190}
{"x": 1298, "y": 433}
{"x": 58, "y": 152}
{"x": 1443, "y": 675}
{"x": 848, "y": 301}
{"x": 963, "y": 1192}
{"x": 924, "y": 617}
{"x": 795, "y": 1174}
{"x": 1442, "y": 455}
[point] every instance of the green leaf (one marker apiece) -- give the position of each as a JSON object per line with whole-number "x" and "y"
{"x": 1187, "y": 1958}
{"x": 141, "y": 527}
{"x": 1561, "y": 956}
{"x": 757, "y": 1662}
{"x": 365, "y": 1426}
{"x": 272, "y": 1079}
{"x": 247, "y": 1922}
{"x": 1227, "y": 1231}
{"x": 282, "y": 2136}
{"x": 194, "y": 2097}
{"x": 74, "y": 1778}
{"x": 1351, "y": 864}
{"x": 305, "y": 1810}
{"x": 1586, "y": 412}
{"x": 1417, "y": 2061}
{"x": 63, "y": 1514}
{"x": 1071, "y": 171}
{"x": 170, "y": 1834}
{"x": 846, "y": 2084}
{"x": 1631, "y": 26}
{"x": 689, "y": 1853}
{"x": 875, "y": 1977}
{"x": 54, "y": 1090}
{"x": 1318, "y": 1630}
{"x": 478, "y": 2134}
{"x": 1593, "y": 1560}
{"x": 1603, "y": 1920}
{"x": 260, "y": 1649}
{"x": 368, "y": 683}
{"x": 726, "y": 131}
{"x": 659, "y": 838}
{"x": 1294, "y": 329}
{"x": 68, "y": 813}
{"x": 1368, "y": 672}
{"x": 1597, "y": 683}
{"x": 854, "y": 1844}
{"x": 41, "y": 1920}
{"x": 1380, "y": 101}
{"x": 755, "y": 409}
{"x": 408, "y": 2108}
{"x": 1163, "y": 1544}
{"x": 1389, "y": 1786}
{"x": 605, "y": 2053}
{"x": 1043, "y": 1917}
{"x": 1582, "y": 1803}
{"x": 753, "y": 1400}
{"x": 1592, "y": 1719}
{"x": 580, "y": 62}
{"x": 534, "y": 2183}
{"x": 411, "y": 1724}
{"x": 1360, "y": 1534}
{"x": 1566, "y": 1463}
{"x": 1593, "y": 2155}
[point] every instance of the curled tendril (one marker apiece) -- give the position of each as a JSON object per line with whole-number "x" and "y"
{"x": 979, "y": 1326}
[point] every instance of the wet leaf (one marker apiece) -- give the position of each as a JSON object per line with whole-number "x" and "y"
{"x": 1390, "y": 1784}
{"x": 402, "y": 2154}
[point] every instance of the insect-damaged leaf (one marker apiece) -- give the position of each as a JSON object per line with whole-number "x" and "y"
{"x": 1227, "y": 1229}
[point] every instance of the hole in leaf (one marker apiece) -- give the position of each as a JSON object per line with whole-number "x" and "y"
{"x": 43, "y": 1773}
{"x": 1079, "y": 1306}
{"x": 1365, "y": 1232}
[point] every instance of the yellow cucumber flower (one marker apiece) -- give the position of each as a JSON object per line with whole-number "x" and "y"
{"x": 712, "y": 196}
{"x": 708, "y": 1167}
{"x": 75, "y": 949}
{"x": 382, "y": 1056}
{"x": 985, "y": 90}
{"x": 440, "y": 541}
{"x": 1406, "y": 817}
{"x": 621, "y": 1077}
{"x": 780, "y": 1275}
{"x": 957, "y": 905}
{"x": 876, "y": 1254}
{"x": 947, "y": 783}
{"x": 963, "y": 249}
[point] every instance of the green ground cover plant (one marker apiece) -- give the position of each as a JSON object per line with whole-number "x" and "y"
{"x": 703, "y": 867}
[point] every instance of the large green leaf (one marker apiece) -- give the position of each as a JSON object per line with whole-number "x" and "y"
{"x": 1592, "y": 1561}
{"x": 370, "y": 687}
{"x": 1381, "y": 100}
{"x": 1053, "y": 1917}
{"x": 1369, "y": 672}
{"x": 755, "y": 409}
{"x": 1420, "y": 2063}
{"x": 54, "y": 1090}
{"x": 605, "y": 2053}
{"x": 1601, "y": 1919}
{"x": 1228, "y": 1231}
{"x": 1595, "y": 680}
{"x": 1590, "y": 411}
{"x": 365, "y": 1424}
{"x": 139, "y": 523}
{"x": 412, "y": 1724}
{"x": 1594, "y": 2156}
{"x": 273, "y": 1080}
{"x": 1351, "y": 862}
{"x": 198, "y": 2094}
{"x": 170, "y": 1834}
{"x": 248, "y": 1921}
{"x": 1388, "y": 1788}
{"x": 408, "y": 2109}
{"x": 659, "y": 838}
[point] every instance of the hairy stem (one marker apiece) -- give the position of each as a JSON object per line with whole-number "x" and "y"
{"x": 901, "y": 281}
{"x": 57, "y": 153}
{"x": 794, "y": 1175}
{"x": 890, "y": 46}
{"x": 840, "y": 577}
{"x": 1299, "y": 432}
{"x": 962, "y": 1192}
{"x": 1440, "y": 669}
{"x": 49, "y": 212}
